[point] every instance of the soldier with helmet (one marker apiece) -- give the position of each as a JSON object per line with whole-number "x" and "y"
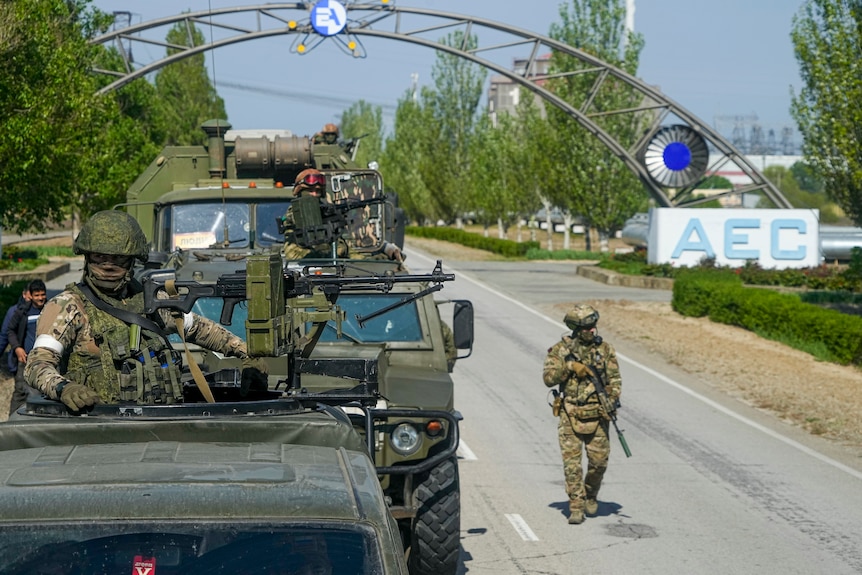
{"x": 313, "y": 182}
{"x": 94, "y": 344}
{"x": 329, "y": 134}
{"x": 583, "y": 425}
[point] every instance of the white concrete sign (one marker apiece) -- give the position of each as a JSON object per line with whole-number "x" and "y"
{"x": 775, "y": 238}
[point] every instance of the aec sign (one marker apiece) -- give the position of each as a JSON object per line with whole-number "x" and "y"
{"x": 775, "y": 238}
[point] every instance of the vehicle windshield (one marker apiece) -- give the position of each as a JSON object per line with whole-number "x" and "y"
{"x": 400, "y": 324}
{"x": 229, "y": 224}
{"x": 197, "y": 548}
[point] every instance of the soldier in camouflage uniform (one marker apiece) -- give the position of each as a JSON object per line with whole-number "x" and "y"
{"x": 95, "y": 345}
{"x": 583, "y": 424}
{"x": 313, "y": 182}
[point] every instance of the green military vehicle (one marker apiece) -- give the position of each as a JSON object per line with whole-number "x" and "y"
{"x": 210, "y": 210}
{"x": 273, "y": 485}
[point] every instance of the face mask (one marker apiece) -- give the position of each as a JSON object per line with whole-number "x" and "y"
{"x": 587, "y": 335}
{"x": 107, "y": 275}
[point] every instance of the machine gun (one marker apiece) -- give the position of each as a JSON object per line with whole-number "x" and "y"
{"x": 609, "y": 407}
{"x": 312, "y": 221}
{"x": 281, "y": 302}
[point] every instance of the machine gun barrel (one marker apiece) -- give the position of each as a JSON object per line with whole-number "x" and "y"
{"x": 234, "y": 288}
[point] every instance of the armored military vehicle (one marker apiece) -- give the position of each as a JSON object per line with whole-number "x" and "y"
{"x": 274, "y": 485}
{"x": 210, "y": 210}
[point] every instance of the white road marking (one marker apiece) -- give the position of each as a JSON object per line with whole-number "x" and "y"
{"x": 742, "y": 419}
{"x": 521, "y": 527}
{"x": 464, "y": 452}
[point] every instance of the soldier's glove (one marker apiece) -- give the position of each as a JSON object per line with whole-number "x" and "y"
{"x": 579, "y": 369}
{"x": 253, "y": 376}
{"x": 393, "y": 252}
{"x": 77, "y": 396}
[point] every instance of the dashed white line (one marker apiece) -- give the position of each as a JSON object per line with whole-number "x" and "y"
{"x": 465, "y": 452}
{"x": 521, "y": 527}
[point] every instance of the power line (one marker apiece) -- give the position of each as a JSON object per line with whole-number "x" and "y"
{"x": 311, "y": 98}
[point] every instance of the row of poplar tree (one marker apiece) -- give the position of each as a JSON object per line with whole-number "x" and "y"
{"x": 64, "y": 149}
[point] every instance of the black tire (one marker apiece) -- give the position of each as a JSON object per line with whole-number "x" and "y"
{"x": 435, "y": 539}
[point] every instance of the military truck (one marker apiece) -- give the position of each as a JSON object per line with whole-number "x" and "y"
{"x": 273, "y": 485}
{"x": 208, "y": 210}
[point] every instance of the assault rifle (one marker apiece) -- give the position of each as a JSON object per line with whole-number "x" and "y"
{"x": 314, "y": 221}
{"x": 281, "y": 302}
{"x": 609, "y": 407}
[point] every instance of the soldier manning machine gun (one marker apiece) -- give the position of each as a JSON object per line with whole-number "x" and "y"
{"x": 290, "y": 308}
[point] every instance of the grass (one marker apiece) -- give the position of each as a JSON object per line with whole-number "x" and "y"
{"x": 816, "y": 349}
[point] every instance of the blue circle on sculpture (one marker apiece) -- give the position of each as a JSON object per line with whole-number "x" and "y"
{"x": 676, "y": 156}
{"x": 328, "y": 17}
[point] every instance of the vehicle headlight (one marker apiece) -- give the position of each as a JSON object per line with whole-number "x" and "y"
{"x": 405, "y": 439}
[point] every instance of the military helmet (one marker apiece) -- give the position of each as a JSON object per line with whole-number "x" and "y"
{"x": 581, "y": 316}
{"x": 330, "y": 129}
{"x": 308, "y": 178}
{"x": 112, "y": 232}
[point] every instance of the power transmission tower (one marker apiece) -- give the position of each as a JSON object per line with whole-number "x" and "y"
{"x": 740, "y": 124}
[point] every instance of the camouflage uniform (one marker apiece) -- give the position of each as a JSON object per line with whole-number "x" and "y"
{"x": 84, "y": 354}
{"x": 449, "y": 346}
{"x": 293, "y": 252}
{"x": 75, "y": 334}
{"x": 583, "y": 426}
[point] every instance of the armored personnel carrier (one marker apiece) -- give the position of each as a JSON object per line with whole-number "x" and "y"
{"x": 212, "y": 211}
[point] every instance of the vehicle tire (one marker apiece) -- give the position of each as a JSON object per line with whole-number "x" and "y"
{"x": 435, "y": 540}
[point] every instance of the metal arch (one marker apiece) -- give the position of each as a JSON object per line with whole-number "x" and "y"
{"x": 374, "y": 20}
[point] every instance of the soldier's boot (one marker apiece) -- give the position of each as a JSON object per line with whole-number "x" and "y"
{"x": 591, "y": 506}
{"x": 576, "y": 512}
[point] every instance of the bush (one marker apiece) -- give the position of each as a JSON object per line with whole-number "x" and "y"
{"x": 541, "y": 254}
{"x": 784, "y": 317}
{"x": 506, "y": 248}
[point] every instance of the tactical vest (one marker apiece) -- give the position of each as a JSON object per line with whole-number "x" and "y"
{"x": 582, "y": 391}
{"x": 146, "y": 372}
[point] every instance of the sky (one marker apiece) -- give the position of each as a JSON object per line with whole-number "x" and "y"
{"x": 719, "y": 59}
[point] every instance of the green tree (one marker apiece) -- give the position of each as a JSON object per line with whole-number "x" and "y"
{"x": 402, "y": 159}
{"x": 48, "y": 114}
{"x": 785, "y": 181}
{"x": 364, "y": 121}
{"x": 827, "y": 40}
{"x": 591, "y": 181}
{"x": 493, "y": 182}
{"x": 716, "y": 183}
{"x": 186, "y": 95}
{"x": 453, "y": 106}
{"x": 806, "y": 177}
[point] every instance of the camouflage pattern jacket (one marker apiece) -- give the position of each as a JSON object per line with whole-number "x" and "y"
{"x": 67, "y": 335}
{"x": 580, "y": 390}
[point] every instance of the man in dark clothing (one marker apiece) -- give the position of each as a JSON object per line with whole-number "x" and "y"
{"x": 6, "y": 361}
{"x": 22, "y": 335}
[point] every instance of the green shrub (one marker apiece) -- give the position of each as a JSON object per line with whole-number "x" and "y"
{"x": 506, "y": 248}
{"x": 694, "y": 290}
{"x": 541, "y": 254}
{"x": 780, "y": 316}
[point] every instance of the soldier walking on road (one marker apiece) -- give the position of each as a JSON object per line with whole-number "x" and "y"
{"x": 583, "y": 424}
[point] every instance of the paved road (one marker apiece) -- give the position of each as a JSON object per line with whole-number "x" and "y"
{"x": 713, "y": 486}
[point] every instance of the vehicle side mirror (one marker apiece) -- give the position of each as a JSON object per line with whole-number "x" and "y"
{"x": 462, "y": 325}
